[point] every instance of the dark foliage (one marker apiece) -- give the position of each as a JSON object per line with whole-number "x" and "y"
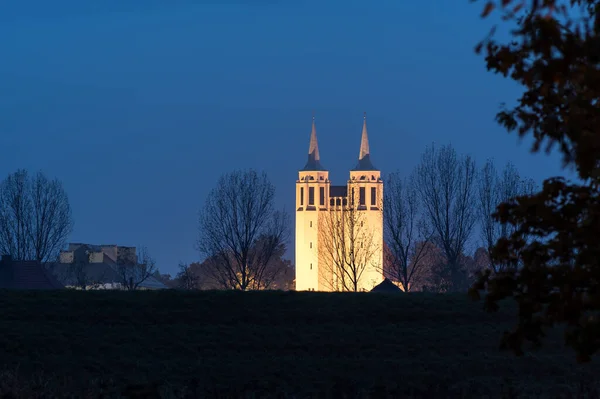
{"x": 554, "y": 54}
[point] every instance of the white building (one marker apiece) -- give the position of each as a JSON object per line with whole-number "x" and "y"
{"x": 339, "y": 229}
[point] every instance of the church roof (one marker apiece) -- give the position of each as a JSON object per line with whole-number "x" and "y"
{"x": 364, "y": 156}
{"x": 338, "y": 191}
{"x": 314, "y": 160}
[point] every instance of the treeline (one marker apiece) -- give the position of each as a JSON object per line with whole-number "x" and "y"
{"x": 431, "y": 220}
{"x": 432, "y": 217}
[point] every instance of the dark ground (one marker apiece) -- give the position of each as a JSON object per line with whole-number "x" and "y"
{"x": 258, "y": 344}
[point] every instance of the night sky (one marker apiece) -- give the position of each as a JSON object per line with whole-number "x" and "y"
{"x": 139, "y": 106}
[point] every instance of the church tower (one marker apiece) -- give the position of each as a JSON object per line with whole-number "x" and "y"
{"x": 312, "y": 193}
{"x": 317, "y": 200}
{"x": 365, "y": 188}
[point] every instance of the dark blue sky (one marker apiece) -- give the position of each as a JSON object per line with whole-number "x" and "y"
{"x": 139, "y": 106}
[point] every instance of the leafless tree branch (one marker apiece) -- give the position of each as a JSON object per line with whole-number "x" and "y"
{"x": 35, "y": 217}
{"x": 187, "y": 279}
{"x": 240, "y": 231}
{"x": 347, "y": 246}
{"x": 133, "y": 272}
{"x": 406, "y": 233}
{"x": 445, "y": 184}
{"x": 494, "y": 190}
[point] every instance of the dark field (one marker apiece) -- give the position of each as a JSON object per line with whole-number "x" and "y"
{"x": 270, "y": 344}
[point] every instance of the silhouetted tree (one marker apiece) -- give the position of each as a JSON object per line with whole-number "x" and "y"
{"x": 405, "y": 232}
{"x": 133, "y": 272}
{"x": 203, "y": 279}
{"x": 265, "y": 277}
{"x": 285, "y": 279}
{"x": 492, "y": 191}
{"x": 554, "y": 54}
{"x": 274, "y": 264}
{"x": 35, "y": 217}
{"x": 186, "y": 278}
{"x": 433, "y": 275}
{"x": 445, "y": 183}
{"x": 240, "y": 232}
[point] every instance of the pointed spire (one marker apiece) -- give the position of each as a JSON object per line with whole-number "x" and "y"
{"x": 364, "y": 141}
{"x": 313, "y": 148}
{"x": 314, "y": 159}
{"x": 364, "y": 156}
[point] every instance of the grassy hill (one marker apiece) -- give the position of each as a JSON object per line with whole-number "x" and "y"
{"x": 261, "y": 344}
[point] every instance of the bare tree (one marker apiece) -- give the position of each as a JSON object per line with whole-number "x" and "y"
{"x": 270, "y": 255}
{"x": 433, "y": 276}
{"x": 406, "y": 233}
{"x": 445, "y": 184}
{"x": 15, "y": 216}
{"x": 285, "y": 279}
{"x": 133, "y": 272}
{"x": 240, "y": 231}
{"x": 186, "y": 278}
{"x": 347, "y": 247}
{"x": 494, "y": 190}
{"x": 35, "y": 217}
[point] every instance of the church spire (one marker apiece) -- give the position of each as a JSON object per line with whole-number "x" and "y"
{"x": 364, "y": 156}
{"x": 364, "y": 140}
{"x": 314, "y": 160}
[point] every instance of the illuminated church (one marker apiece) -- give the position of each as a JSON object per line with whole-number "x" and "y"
{"x": 339, "y": 229}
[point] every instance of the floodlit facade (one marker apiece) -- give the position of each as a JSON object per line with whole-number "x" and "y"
{"x": 339, "y": 229}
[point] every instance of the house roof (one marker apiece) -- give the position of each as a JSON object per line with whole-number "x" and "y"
{"x": 95, "y": 273}
{"x": 386, "y": 286}
{"x": 26, "y": 275}
{"x": 153, "y": 283}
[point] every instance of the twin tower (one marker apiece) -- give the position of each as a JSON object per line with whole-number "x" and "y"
{"x": 339, "y": 229}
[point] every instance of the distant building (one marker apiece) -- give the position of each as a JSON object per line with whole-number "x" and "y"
{"x": 98, "y": 253}
{"x": 318, "y": 203}
{"x": 26, "y": 275}
{"x": 97, "y": 267}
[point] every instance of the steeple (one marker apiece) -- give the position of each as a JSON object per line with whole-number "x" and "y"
{"x": 314, "y": 160}
{"x": 364, "y": 156}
